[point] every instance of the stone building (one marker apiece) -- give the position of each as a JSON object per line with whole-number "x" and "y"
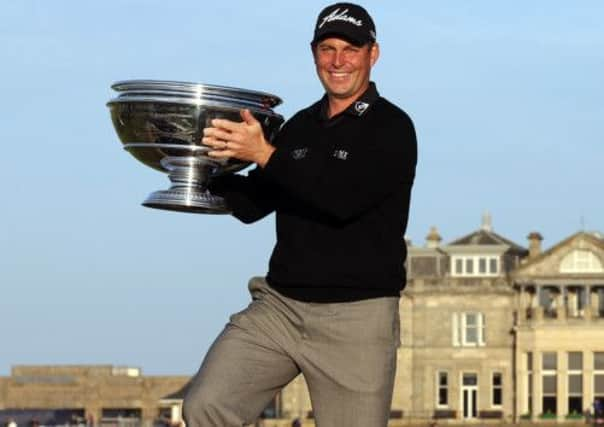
{"x": 559, "y": 332}
{"x": 88, "y": 395}
{"x": 494, "y": 331}
{"x": 490, "y": 331}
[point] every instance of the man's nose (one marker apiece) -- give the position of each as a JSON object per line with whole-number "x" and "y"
{"x": 338, "y": 59}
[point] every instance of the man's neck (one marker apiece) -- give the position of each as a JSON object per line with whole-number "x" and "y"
{"x": 336, "y": 106}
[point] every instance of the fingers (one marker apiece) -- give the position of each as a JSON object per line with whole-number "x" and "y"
{"x": 220, "y": 144}
{"x": 227, "y": 138}
{"x": 221, "y": 134}
{"x": 248, "y": 117}
{"x": 223, "y": 149}
{"x": 228, "y": 125}
{"x": 229, "y": 150}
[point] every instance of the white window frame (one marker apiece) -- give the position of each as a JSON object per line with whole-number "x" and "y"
{"x": 475, "y": 261}
{"x": 493, "y": 387}
{"x": 581, "y": 261}
{"x": 438, "y": 387}
{"x": 459, "y": 329}
{"x": 461, "y": 388}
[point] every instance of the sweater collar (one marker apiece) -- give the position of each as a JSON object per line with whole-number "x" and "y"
{"x": 356, "y": 109}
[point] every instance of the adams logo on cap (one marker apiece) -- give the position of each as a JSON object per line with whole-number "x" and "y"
{"x": 345, "y": 20}
{"x": 336, "y": 15}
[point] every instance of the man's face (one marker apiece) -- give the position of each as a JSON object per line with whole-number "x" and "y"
{"x": 344, "y": 68}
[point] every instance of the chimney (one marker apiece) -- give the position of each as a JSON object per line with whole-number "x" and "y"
{"x": 534, "y": 239}
{"x": 433, "y": 239}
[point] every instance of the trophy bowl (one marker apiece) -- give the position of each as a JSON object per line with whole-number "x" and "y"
{"x": 161, "y": 124}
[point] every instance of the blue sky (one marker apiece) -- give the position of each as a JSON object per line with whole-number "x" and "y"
{"x": 506, "y": 98}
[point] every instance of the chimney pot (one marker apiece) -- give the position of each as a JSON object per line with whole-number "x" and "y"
{"x": 534, "y": 239}
{"x": 433, "y": 238}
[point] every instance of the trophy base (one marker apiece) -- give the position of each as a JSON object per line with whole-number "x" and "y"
{"x": 187, "y": 200}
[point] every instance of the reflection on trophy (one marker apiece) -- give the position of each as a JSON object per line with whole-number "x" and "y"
{"x": 161, "y": 124}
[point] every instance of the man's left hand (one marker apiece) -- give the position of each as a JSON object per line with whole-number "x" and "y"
{"x": 241, "y": 140}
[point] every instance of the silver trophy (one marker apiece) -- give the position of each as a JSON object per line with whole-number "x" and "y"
{"x": 161, "y": 124}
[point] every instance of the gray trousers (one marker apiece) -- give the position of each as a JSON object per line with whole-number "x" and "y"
{"x": 346, "y": 352}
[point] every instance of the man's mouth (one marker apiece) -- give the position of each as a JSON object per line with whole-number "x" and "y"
{"x": 339, "y": 75}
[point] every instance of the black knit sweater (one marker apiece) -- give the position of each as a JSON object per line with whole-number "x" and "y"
{"x": 340, "y": 188}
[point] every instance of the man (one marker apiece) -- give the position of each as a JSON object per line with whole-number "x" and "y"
{"x": 339, "y": 176}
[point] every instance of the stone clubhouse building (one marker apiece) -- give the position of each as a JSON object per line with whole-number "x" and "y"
{"x": 491, "y": 331}
{"x": 495, "y": 332}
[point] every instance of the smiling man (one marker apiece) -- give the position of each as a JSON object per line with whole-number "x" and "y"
{"x": 338, "y": 176}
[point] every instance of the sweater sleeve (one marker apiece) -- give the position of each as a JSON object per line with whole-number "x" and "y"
{"x": 345, "y": 188}
{"x": 249, "y": 197}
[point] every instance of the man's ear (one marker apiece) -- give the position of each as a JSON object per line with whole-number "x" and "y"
{"x": 313, "y": 49}
{"x": 374, "y": 53}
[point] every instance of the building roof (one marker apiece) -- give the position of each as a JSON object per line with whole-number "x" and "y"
{"x": 589, "y": 236}
{"x": 484, "y": 237}
{"x": 597, "y": 234}
{"x": 178, "y": 394}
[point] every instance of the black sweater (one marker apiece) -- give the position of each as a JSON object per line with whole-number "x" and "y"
{"x": 340, "y": 188}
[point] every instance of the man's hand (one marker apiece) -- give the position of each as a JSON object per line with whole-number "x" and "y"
{"x": 241, "y": 140}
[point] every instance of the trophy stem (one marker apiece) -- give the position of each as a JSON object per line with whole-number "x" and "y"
{"x": 189, "y": 191}
{"x": 191, "y": 175}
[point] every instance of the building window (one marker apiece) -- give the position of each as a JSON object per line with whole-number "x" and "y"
{"x": 469, "y": 266}
{"x": 469, "y": 329}
{"x": 473, "y": 329}
{"x": 442, "y": 398}
{"x": 550, "y": 361}
{"x": 482, "y": 265}
{"x": 549, "y": 383}
{"x": 575, "y": 382}
{"x": 475, "y": 265}
{"x": 599, "y": 376}
{"x": 581, "y": 261}
{"x": 493, "y": 264}
{"x": 497, "y": 389}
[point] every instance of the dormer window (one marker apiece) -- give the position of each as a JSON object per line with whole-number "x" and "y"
{"x": 475, "y": 265}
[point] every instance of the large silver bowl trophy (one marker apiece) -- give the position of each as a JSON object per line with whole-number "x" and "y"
{"x": 161, "y": 124}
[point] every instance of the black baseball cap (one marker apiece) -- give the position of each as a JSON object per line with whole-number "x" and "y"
{"x": 346, "y": 20}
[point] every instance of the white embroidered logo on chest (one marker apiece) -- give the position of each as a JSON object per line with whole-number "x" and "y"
{"x": 299, "y": 153}
{"x": 340, "y": 154}
{"x": 360, "y": 107}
